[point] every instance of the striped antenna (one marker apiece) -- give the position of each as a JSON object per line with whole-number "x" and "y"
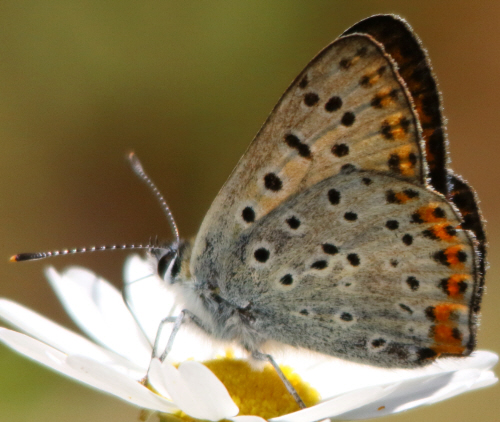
{"x": 137, "y": 167}
{"x": 41, "y": 255}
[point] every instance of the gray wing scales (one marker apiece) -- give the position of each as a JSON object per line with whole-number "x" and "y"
{"x": 327, "y": 231}
{"x": 348, "y": 108}
{"x": 360, "y": 265}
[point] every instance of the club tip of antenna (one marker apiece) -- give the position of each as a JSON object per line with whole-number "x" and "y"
{"x": 135, "y": 163}
{"x": 28, "y": 257}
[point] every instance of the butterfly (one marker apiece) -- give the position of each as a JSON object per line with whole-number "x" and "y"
{"x": 342, "y": 230}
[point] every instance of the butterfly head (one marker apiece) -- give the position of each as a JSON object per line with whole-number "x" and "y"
{"x": 171, "y": 261}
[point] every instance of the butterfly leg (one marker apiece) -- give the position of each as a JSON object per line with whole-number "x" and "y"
{"x": 162, "y": 324}
{"x": 284, "y": 379}
{"x": 184, "y": 316}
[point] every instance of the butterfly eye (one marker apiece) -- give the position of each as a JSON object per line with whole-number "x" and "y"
{"x": 166, "y": 262}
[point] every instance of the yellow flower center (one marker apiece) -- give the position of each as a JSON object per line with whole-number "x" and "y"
{"x": 256, "y": 392}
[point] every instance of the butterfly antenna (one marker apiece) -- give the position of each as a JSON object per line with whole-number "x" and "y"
{"x": 41, "y": 255}
{"x": 137, "y": 167}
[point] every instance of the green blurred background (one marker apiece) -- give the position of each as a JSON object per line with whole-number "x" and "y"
{"x": 186, "y": 85}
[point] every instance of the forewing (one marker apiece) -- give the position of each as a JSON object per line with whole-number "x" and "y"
{"x": 362, "y": 266}
{"x": 348, "y": 108}
{"x": 414, "y": 67}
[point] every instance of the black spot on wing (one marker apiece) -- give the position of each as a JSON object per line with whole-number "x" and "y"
{"x": 406, "y": 308}
{"x": 392, "y": 224}
{"x": 407, "y": 239}
{"x": 293, "y": 222}
{"x": 304, "y": 82}
{"x": 350, "y": 216}
{"x": 353, "y": 259}
{"x": 346, "y": 316}
{"x": 426, "y": 353}
{"x": 286, "y": 280}
{"x": 248, "y": 214}
{"x": 340, "y": 150}
{"x": 413, "y": 283}
{"x": 294, "y": 142}
{"x": 333, "y": 104}
{"x": 379, "y": 342}
{"x": 272, "y": 182}
{"x": 262, "y": 255}
{"x": 311, "y": 99}
{"x": 319, "y": 265}
{"x": 348, "y": 118}
{"x": 329, "y": 249}
{"x": 334, "y": 196}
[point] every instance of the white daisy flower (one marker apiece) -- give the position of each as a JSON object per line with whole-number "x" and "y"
{"x": 117, "y": 360}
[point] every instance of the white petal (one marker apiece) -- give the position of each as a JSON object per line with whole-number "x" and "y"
{"x": 442, "y": 379}
{"x": 34, "y": 349}
{"x": 120, "y": 385}
{"x": 247, "y": 419}
{"x": 332, "y": 376}
{"x": 407, "y": 391}
{"x": 156, "y": 377}
{"x": 194, "y": 388}
{"x": 457, "y": 383}
{"x": 136, "y": 268}
{"x": 86, "y": 371}
{"x": 342, "y": 376}
{"x": 338, "y": 405}
{"x": 480, "y": 359}
{"x": 461, "y": 382}
{"x": 417, "y": 392}
{"x": 486, "y": 379}
{"x": 62, "y": 339}
{"x": 98, "y": 309}
{"x": 146, "y": 294}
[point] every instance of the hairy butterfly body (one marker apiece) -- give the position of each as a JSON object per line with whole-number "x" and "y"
{"x": 341, "y": 230}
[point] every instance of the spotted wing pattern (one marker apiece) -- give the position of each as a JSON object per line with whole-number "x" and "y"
{"x": 464, "y": 199}
{"x": 414, "y": 67}
{"x": 330, "y": 230}
{"x": 347, "y": 108}
{"x": 413, "y": 64}
{"x": 362, "y": 266}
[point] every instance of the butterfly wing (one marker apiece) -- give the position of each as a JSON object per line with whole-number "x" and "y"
{"x": 402, "y": 44}
{"x": 464, "y": 199}
{"x": 414, "y": 67}
{"x": 362, "y": 266}
{"x": 350, "y": 124}
{"x": 348, "y": 108}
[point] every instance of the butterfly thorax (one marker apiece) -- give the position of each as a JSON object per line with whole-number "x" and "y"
{"x": 215, "y": 313}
